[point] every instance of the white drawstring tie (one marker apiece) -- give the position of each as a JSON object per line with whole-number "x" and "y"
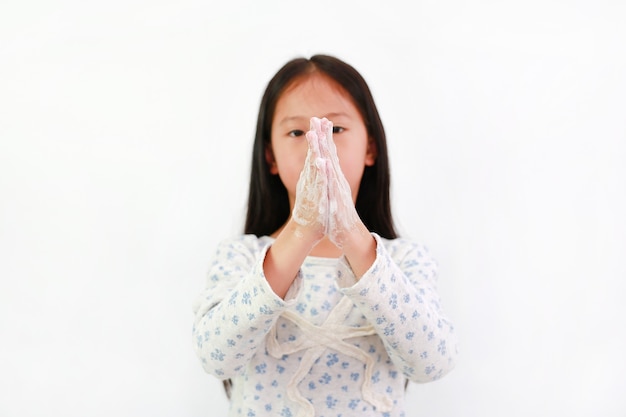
{"x": 315, "y": 339}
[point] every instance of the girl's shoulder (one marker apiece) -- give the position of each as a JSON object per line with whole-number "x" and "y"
{"x": 244, "y": 244}
{"x": 249, "y": 240}
{"x": 402, "y": 247}
{"x": 413, "y": 257}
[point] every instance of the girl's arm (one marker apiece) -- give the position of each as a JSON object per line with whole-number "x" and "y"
{"x": 286, "y": 255}
{"x": 398, "y": 295}
{"x": 237, "y": 308}
{"x": 359, "y": 248}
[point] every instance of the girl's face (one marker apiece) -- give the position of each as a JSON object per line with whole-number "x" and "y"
{"x": 320, "y": 96}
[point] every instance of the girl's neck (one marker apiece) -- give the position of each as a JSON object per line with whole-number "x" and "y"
{"x": 326, "y": 249}
{"x": 323, "y": 249}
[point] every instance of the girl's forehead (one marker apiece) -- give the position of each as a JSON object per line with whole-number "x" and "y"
{"x": 317, "y": 93}
{"x": 314, "y": 94}
{"x": 315, "y": 81}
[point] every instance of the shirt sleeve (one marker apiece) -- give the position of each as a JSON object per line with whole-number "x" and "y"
{"x": 237, "y": 308}
{"x": 398, "y": 295}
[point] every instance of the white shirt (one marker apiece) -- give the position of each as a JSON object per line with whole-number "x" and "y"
{"x": 334, "y": 346}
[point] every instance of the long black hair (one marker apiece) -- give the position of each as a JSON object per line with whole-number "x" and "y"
{"x": 268, "y": 202}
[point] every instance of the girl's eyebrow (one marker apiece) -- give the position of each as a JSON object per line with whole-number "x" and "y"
{"x": 293, "y": 119}
{"x": 329, "y": 116}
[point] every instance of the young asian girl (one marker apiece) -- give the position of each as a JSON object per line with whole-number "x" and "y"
{"x": 319, "y": 308}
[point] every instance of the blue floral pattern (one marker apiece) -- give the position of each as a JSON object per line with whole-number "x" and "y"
{"x": 335, "y": 346}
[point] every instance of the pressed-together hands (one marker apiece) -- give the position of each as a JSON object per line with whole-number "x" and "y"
{"x": 323, "y": 196}
{"x": 323, "y": 207}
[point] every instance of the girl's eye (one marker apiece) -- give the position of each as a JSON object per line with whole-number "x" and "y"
{"x": 338, "y": 129}
{"x": 296, "y": 133}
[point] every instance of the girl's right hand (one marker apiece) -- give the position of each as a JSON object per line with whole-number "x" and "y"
{"x": 310, "y": 209}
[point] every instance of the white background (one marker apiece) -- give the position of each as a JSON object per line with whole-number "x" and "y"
{"x": 125, "y": 140}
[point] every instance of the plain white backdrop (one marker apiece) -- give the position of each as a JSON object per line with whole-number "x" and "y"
{"x": 125, "y": 140}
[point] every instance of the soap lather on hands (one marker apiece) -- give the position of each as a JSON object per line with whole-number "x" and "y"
{"x": 323, "y": 195}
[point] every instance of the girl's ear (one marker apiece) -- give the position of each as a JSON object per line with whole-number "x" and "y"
{"x": 269, "y": 157}
{"x": 371, "y": 154}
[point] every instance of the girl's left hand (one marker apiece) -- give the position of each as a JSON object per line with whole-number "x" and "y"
{"x": 342, "y": 215}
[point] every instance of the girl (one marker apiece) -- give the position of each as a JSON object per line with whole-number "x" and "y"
{"x": 319, "y": 309}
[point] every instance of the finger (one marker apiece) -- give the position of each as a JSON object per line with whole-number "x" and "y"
{"x": 325, "y": 127}
{"x": 333, "y": 196}
{"x": 313, "y": 136}
{"x": 313, "y": 142}
{"x": 322, "y": 187}
{"x": 328, "y": 149}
